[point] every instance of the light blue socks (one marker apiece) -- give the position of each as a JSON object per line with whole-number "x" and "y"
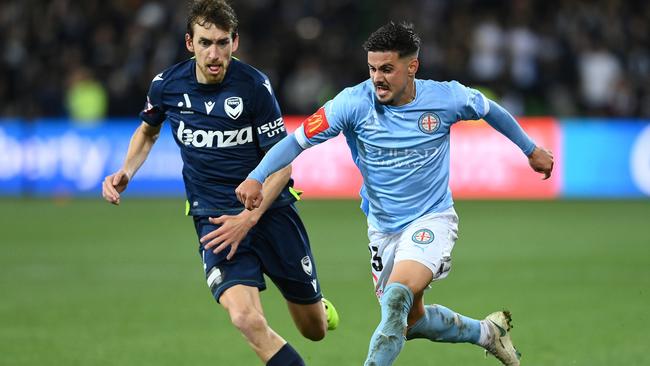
{"x": 440, "y": 324}
{"x": 388, "y": 339}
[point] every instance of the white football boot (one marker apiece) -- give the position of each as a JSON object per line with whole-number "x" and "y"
{"x": 499, "y": 342}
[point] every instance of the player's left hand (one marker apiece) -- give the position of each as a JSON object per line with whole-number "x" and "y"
{"x": 541, "y": 160}
{"x": 231, "y": 232}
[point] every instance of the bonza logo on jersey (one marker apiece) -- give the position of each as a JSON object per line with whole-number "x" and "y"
{"x": 202, "y": 138}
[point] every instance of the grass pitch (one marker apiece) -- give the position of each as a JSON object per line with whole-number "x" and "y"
{"x": 85, "y": 283}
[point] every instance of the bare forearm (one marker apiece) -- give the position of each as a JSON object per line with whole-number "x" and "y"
{"x": 141, "y": 143}
{"x": 272, "y": 187}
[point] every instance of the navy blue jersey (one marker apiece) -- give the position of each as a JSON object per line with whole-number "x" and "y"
{"x": 222, "y": 130}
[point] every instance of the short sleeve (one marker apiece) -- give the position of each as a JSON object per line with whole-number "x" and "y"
{"x": 470, "y": 103}
{"x": 327, "y": 122}
{"x": 154, "y": 111}
{"x": 267, "y": 117}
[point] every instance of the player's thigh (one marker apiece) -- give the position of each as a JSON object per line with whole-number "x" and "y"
{"x": 245, "y": 268}
{"x": 282, "y": 244}
{"x": 423, "y": 252}
{"x": 424, "y": 247}
{"x": 429, "y": 241}
{"x": 411, "y": 274}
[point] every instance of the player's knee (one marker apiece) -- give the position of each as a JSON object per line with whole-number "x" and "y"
{"x": 248, "y": 320}
{"x": 396, "y": 303}
{"x": 397, "y": 297}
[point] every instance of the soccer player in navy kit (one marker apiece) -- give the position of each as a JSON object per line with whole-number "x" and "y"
{"x": 224, "y": 117}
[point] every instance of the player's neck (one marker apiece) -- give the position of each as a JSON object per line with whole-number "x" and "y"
{"x": 408, "y": 96}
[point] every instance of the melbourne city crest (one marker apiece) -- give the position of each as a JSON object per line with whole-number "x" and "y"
{"x": 423, "y": 237}
{"x": 429, "y": 122}
{"x": 233, "y": 107}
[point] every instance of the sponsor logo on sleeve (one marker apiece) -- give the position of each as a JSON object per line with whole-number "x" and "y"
{"x": 316, "y": 123}
{"x": 272, "y": 128}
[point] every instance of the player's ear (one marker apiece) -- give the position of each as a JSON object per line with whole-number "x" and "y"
{"x": 188, "y": 43}
{"x": 413, "y": 66}
{"x": 235, "y": 42}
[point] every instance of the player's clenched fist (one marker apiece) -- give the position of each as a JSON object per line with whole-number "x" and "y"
{"x": 249, "y": 193}
{"x": 113, "y": 185}
{"x": 541, "y": 160}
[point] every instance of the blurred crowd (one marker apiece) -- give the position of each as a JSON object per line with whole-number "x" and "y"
{"x": 95, "y": 58}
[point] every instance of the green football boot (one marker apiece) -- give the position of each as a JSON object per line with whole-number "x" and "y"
{"x": 332, "y": 315}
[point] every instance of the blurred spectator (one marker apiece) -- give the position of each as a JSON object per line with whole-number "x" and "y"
{"x": 86, "y": 99}
{"x": 600, "y": 73}
{"x": 561, "y": 58}
{"x": 487, "y": 61}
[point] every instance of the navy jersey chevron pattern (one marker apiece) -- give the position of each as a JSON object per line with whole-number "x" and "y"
{"x": 222, "y": 130}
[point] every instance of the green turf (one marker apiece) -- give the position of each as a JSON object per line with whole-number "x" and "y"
{"x": 85, "y": 283}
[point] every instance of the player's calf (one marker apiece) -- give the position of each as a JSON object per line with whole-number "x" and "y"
{"x": 440, "y": 324}
{"x": 388, "y": 339}
{"x": 310, "y": 319}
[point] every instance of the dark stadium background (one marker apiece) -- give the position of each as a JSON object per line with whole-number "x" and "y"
{"x": 85, "y": 283}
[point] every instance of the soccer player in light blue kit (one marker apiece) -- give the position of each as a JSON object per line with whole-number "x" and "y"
{"x": 397, "y": 128}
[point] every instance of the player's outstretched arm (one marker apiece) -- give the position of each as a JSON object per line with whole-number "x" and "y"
{"x": 539, "y": 158}
{"x": 233, "y": 228}
{"x": 507, "y": 125}
{"x": 249, "y": 192}
{"x": 141, "y": 143}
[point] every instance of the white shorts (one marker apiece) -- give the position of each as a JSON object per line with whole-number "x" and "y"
{"x": 428, "y": 240}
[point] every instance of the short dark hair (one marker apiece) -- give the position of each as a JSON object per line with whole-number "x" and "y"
{"x": 400, "y": 38}
{"x": 217, "y": 12}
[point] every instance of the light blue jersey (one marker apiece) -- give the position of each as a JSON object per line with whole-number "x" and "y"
{"x": 401, "y": 151}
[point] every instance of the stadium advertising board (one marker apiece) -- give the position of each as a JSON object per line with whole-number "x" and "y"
{"x": 606, "y": 158}
{"x": 484, "y": 164}
{"x": 594, "y": 158}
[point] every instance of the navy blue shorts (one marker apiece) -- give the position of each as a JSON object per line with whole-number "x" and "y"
{"x": 277, "y": 246}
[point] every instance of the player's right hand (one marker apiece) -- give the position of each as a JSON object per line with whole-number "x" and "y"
{"x": 249, "y": 193}
{"x": 113, "y": 185}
